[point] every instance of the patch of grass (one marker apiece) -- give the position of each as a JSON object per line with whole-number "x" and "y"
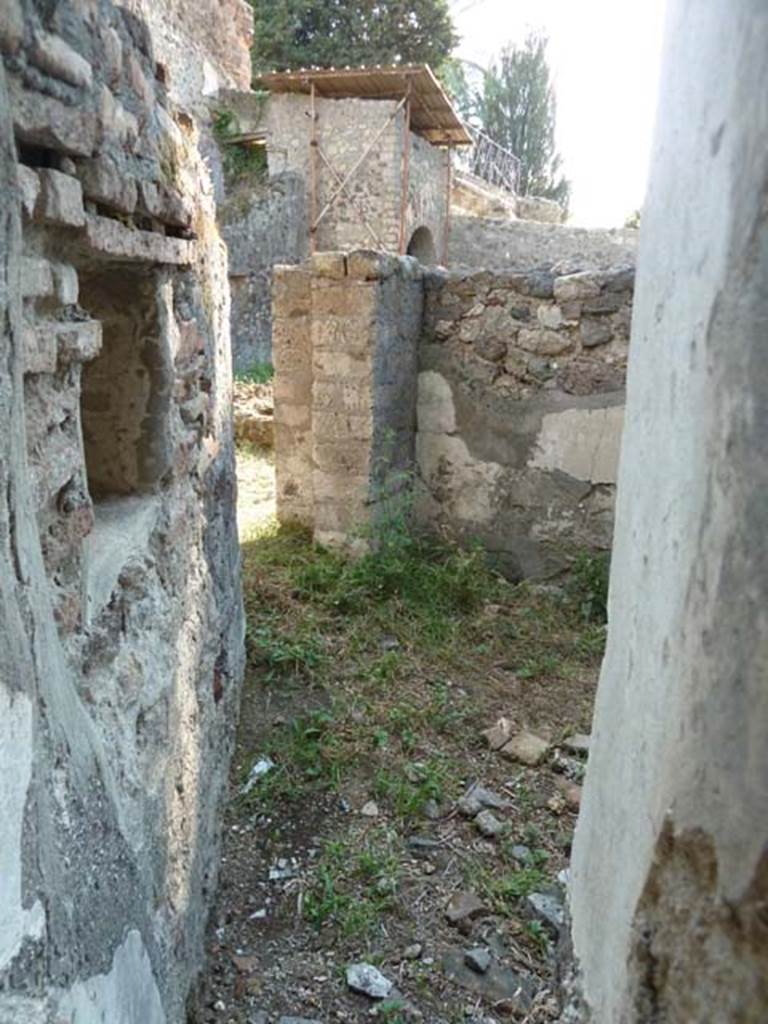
{"x": 588, "y": 585}
{"x": 283, "y": 653}
{"x": 407, "y": 789}
{"x": 505, "y": 891}
{"x": 259, "y": 373}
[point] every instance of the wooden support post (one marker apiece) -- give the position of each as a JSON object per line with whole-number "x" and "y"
{"x": 312, "y": 171}
{"x": 447, "y": 224}
{"x": 406, "y": 168}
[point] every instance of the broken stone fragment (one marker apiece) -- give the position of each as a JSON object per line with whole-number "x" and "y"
{"x": 595, "y": 332}
{"x": 498, "y": 734}
{"x": 370, "y": 809}
{"x": 570, "y": 791}
{"x": 368, "y": 980}
{"x": 583, "y": 285}
{"x": 29, "y": 187}
{"x": 489, "y": 825}
{"x": 413, "y": 952}
{"x": 547, "y": 909}
{"x": 479, "y": 959}
{"x": 496, "y": 984}
{"x": 477, "y": 797}
{"x": 577, "y": 744}
{"x": 464, "y": 906}
{"x": 527, "y": 748}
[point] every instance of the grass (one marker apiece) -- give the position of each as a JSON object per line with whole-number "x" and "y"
{"x": 389, "y": 657}
{"x": 259, "y": 373}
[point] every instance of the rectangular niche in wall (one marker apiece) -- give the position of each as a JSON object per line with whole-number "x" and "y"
{"x": 126, "y": 390}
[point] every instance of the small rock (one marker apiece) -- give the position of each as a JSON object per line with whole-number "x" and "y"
{"x": 369, "y": 980}
{"x": 527, "y": 748}
{"x": 420, "y": 846}
{"x": 220, "y": 1006}
{"x": 547, "y": 909}
{"x": 571, "y": 793}
{"x": 477, "y": 797}
{"x": 413, "y": 952}
{"x": 370, "y": 809}
{"x": 432, "y": 810}
{"x": 569, "y": 766}
{"x": 428, "y": 868}
{"x": 556, "y": 804}
{"x": 283, "y": 869}
{"x": 386, "y": 886}
{"x": 464, "y": 906}
{"x": 577, "y": 744}
{"x": 496, "y": 984}
{"x": 522, "y": 854}
{"x": 479, "y": 959}
{"x": 489, "y": 824}
{"x": 260, "y": 768}
{"x": 498, "y": 734}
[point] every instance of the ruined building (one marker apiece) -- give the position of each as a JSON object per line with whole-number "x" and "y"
{"x": 120, "y": 613}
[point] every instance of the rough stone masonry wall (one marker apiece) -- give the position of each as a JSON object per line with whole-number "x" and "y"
{"x": 120, "y": 615}
{"x": 520, "y": 407}
{"x": 670, "y": 863}
{"x": 346, "y": 334}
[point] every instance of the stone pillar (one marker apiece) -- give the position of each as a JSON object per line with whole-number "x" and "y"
{"x": 670, "y": 862}
{"x": 345, "y": 347}
{"x": 292, "y": 356}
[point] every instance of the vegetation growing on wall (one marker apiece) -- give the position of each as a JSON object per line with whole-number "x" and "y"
{"x": 240, "y": 160}
{"x": 293, "y": 34}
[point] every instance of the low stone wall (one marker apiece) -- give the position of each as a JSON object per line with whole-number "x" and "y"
{"x": 346, "y": 331}
{"x": 501, "y": 244}
{"x": 120, "y": 615}
{"x": 520, "y": 407}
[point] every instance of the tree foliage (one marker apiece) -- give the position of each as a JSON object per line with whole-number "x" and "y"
{"x": 292, "y": 34}
{"x": 515, "y": 105}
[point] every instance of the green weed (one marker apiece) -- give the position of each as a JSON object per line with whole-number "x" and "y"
{"x": 259, "y": 373}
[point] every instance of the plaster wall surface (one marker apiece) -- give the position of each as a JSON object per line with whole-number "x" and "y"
{"x": 120, "y": 614}
{"x": 670, "y": 868}
{"x": 520, "y": 411}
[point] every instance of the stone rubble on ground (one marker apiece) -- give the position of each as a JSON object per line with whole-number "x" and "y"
{"x": 368, "y": 980}
{"x": 499, "y": 734}
{"x": 547, "y": 908}
{"x": 370, "y": 809}
{"x": 527, "y": 748}
{"x": 577, "y": 744}
{"x": 260, "y": 768}
{"x": 464, "y": 906}
{"x": 479, "y": 959}
{"x": 477, "y": 798}
{"x": 487, "y": 823}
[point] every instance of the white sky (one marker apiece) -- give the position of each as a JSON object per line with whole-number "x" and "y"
{"x": 604, "y": 55}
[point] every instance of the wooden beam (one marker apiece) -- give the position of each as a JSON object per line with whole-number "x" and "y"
{"x": 313, "y": 146}
{"x": 405, "y": 177}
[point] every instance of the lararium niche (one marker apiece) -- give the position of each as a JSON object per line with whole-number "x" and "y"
{"x": 126, "y": 390}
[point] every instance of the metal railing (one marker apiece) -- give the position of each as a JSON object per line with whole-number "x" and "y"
{"x": 488, "y": 161}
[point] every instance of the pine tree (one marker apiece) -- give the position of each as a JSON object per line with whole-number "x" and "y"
{"x": 291, "y": 34}
{"x": 517, "y": 109}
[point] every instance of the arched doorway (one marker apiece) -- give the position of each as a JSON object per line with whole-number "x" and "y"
{"x": 422, "y": 246}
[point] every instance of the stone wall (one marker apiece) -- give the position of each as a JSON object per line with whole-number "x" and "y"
{"x": 520, "y": 407}
{"x": 670, "y": 860}
{"x": 345, "y": 128}
{"x": 263, "y": 224}
{"x": 500, "y": 396}
{"x": 345, "y": 346}
{"x": 501, "y": 244}
{"x": 120, "y": 615}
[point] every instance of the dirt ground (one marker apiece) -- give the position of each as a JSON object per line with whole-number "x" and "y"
{"x": 346, "y": 839}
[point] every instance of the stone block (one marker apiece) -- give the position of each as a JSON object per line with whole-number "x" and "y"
{"x": 36, "y": 278}
{"x": 112, "y": 50}
{"x": 328, "y": 487}
{"x": 544, "y": 343}
{"x": 343, "y": 334}
{"x": 61, "y": 200}
{"x": 340, "y": 426}
{"x": 338, "y": 395}
{"x": 119, "y": 124}
{"x": 622, "y": 280}
{"x": 111, "y": 238}
{"x": 104, "y": 182}
{"x": 370, "y": 265}
{"x": 527, "y": 748}
{"x": 79, "y": 341}
{"x": 344, "y": 298}
{"x": 595, "y": 332}
{"x": 333, "y": 365}
{"x": 60, "y": 60}
{"x": 291, "y": 294}
{"x": 584, "y": 285}
{"x": 11, "y": 26}
{"x": 29, "y": 187}
{"x": 165, "y": 204}
{"x": 329, "y": 264}
{"x": 347, "y": 457}
{"x": 44, "y": 121}
{"x": 39, "y": 348}
{"x": 608, "y": 302}
{"x": 550, "y": 316}
{"x": 66, "y": 283}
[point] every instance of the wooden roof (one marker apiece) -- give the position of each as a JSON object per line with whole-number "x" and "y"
{"x": 432, "y": 113}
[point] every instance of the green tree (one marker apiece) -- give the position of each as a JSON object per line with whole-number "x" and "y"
{"x": 292, "y": 34}
{"x": 517, "y": 109}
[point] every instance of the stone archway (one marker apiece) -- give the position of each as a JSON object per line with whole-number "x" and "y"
{"x": 422, "y": 246}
